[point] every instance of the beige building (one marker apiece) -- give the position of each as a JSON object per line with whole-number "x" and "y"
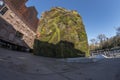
{"x": 18, "y": 24}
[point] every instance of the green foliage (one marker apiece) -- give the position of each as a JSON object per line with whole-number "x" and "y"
{"x": 111, "y": 43}
{"x": 63, "y": 49}
{"x": 105, "y": 43}
{"x": 60, "y": 24}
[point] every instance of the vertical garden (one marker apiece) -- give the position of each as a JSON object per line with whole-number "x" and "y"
{"x": 61, "y": 34}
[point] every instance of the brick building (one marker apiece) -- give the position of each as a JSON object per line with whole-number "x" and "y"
{"x": 18, "y": 23}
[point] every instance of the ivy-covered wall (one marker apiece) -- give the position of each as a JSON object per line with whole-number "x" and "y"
{"x": 59, "y": 26}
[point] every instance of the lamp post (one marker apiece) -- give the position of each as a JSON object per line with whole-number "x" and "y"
{"x": 1, "y": 4}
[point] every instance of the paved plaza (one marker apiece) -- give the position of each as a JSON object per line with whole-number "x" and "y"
{"x": 25, "y": 66}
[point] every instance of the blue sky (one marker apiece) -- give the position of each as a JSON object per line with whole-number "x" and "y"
{"x": 99, "y": 16}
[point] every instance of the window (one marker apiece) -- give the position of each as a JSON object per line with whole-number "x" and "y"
{"x": 3, "y": 11}
{"x": 19, "y": 35}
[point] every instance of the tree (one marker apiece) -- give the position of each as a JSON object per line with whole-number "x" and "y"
{"x": 118, "y": 31}
{"x": 93, "y": 41}
{"x": 102, "y": 38}
{"x": 92, "y": 45}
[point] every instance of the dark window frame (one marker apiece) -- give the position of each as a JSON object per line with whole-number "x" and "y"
{"x": 19, "y": 35}
{"x": 4, "y": 10}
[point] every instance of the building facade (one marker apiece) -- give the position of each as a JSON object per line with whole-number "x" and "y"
{"x": 18, "y": 23}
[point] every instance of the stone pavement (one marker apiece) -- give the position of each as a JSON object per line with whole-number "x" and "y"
{"x": 25, "y": 66}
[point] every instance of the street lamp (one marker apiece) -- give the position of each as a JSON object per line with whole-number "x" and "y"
{"x": 1, "y": 2}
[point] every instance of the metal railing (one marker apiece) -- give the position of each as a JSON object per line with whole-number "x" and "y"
{"x": 113, "y": 52}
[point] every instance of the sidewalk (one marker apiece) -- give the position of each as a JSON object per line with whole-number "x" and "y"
{"x": 25, "y": 66}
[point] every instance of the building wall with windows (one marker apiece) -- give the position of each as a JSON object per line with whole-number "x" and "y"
{"x": 9, "y": 34}
{"x": 18, "y": 23}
